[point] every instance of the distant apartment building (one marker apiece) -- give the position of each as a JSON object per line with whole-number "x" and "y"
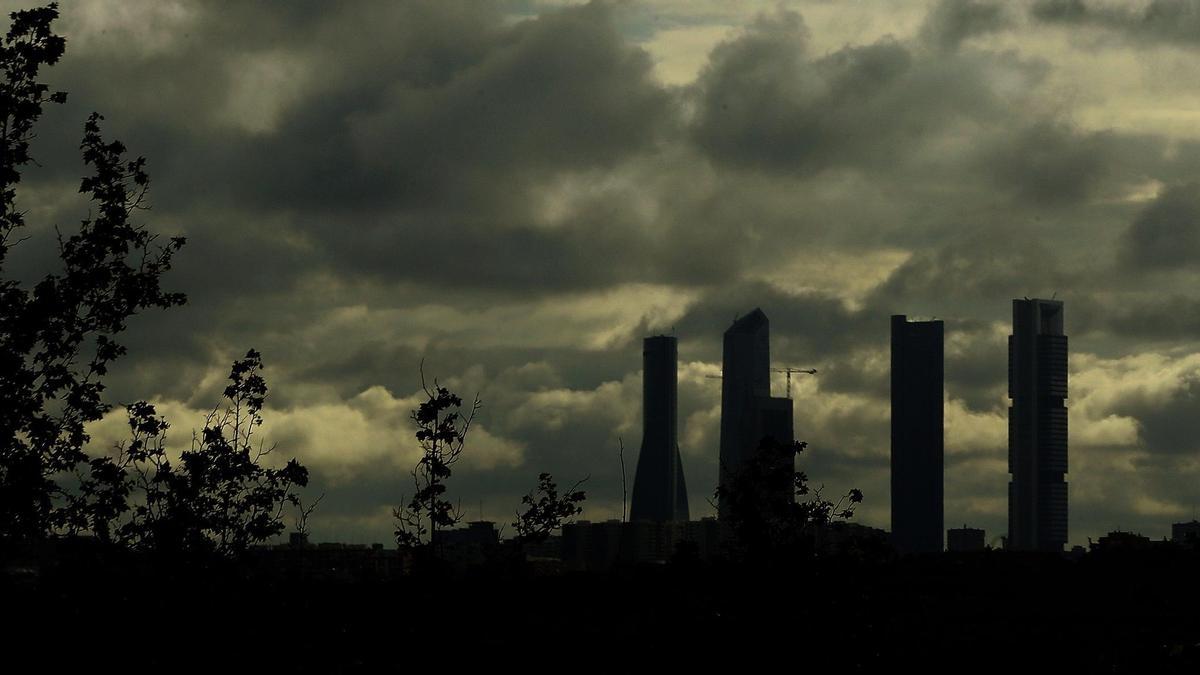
{"x": 467, "y": 546}
{"x": 1037, "y": 427}
{"x": 841, "y": 536}
{"x": 1186, "y": 533}
{"x": 299, "y": 559}
{"x": 917, "y": 438}
{"x": 600, "y": 546}
{"x": 1123, "y": 541}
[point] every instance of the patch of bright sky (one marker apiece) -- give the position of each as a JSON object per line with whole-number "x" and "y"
{"x": 844, "y": 275}
{"x": 1104, "y": 83}
{"x": 679, "y": 34}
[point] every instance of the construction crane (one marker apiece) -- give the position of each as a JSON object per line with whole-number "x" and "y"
{"x": 789, "y": 371}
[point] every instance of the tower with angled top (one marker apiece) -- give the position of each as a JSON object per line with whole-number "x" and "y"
{"x": 748, "y": 411}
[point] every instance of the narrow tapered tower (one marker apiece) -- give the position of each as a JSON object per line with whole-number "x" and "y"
{"x": 659, "y": 491}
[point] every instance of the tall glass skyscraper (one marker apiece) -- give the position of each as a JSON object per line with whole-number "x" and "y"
{"x": 917, "y": 439}
{"x": 1037, "y": 427}
{"x": 748, "y": 411}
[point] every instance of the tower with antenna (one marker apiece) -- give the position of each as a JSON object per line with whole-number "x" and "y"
{"x": 1037, "y": 427}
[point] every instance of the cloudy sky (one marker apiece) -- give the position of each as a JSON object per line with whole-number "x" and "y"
{"x": 517, "y": 192}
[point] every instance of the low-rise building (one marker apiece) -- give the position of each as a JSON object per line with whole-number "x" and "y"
{"x": 965, "y": 539}
{"x": 599, "y": 546}
{"x": 1186, "y": 533}
{"x": 1122, "y": 541}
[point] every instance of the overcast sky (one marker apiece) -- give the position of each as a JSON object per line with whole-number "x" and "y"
{"x": 518, "y": 192}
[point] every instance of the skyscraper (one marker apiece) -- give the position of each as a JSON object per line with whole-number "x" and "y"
{"x": 917, "y": 442}
{"x": 1037, "y": 427}
{"x": 659, "y": 492}
{"x": 748, "y": 411}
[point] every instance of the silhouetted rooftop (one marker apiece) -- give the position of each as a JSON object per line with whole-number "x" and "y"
{"x": 749, "y": 323}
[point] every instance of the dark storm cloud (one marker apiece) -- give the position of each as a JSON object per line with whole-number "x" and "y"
{"x": 1170, "y": 427}
{"x": 763, "y": 104}
{"x": 803, "y": 326}
{"x": 981, "y": 266}
{"x": 1059, "y": 10}
{"x": 847, "y": 374}
{"x": 976, "y": 364}
{"x": 393, "y": 137}
{"x": 1162, "y": 317}
{"x": 952, "y": 21}
{"x": 898, "y": 113}
{"x": 1166, "y": 234}
{"x": 1159, "y": 21}
{"x": 560, "y": 92}
{"x": 1113, "y": 307}
{"x": 1049, "y": 163}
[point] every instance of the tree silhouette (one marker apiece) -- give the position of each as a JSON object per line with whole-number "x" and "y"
{"x": 219, "y": 498}
{"x": 441, "y": 434}
{"x": 57, "y": 339}
{"x": 303, "y": 513}
{"x": 546, "y": 510}
{"x": 772, "y": 514}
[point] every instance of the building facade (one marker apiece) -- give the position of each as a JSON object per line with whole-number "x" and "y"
{"x": 917, "y": 438}
{"x": 1037, "y": 427}
{"x": 659, "y": 490}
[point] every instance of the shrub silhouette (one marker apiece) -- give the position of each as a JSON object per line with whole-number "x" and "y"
{"x": 219, "y": 498}
{"x": 772, "y": 515}
{"x": 441, "y": 434}
{"x": 546, "y": 510}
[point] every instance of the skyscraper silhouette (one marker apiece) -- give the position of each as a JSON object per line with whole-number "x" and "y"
{"x": 1037, "y": 427}
{"x": 748, "y": 412}
{"x": 917, "y": 442}
{"x": 659, "y": 492}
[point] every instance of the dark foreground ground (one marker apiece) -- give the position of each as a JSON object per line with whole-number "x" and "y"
{"x": 988, "y": 612}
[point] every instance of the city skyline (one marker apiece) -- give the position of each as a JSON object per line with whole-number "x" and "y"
{"x": 858, "y": 326}
{"x": 365, "y": 187}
